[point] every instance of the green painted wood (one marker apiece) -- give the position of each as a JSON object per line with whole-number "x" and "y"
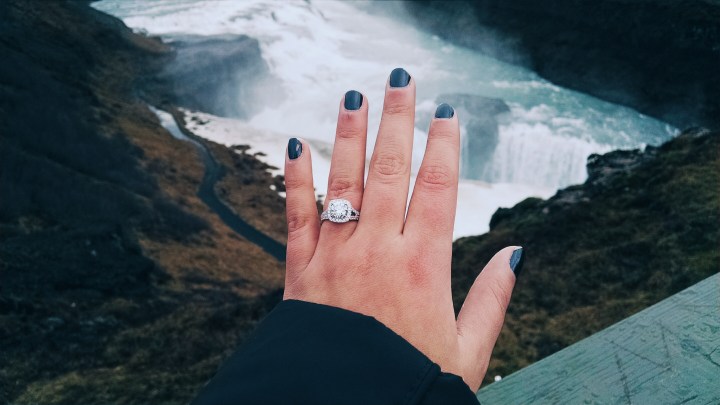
{"x": 668, "y": 353}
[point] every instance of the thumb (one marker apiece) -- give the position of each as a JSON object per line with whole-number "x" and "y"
{"x": 483, "y": 313}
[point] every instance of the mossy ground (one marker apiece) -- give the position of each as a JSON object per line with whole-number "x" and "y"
{"x": 117, "y": 284}
{"x": 642, "y": 236}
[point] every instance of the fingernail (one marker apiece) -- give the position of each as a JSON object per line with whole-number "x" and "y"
{"x": 516, "y": 261}
{"x": 444, "y": 111}
{"x": 294, "y": 148}
{"x": 353, "y": 100}
{"x": 399, "y": 78}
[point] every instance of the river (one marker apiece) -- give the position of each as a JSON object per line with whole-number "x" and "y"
{"x": 318, "y": 50}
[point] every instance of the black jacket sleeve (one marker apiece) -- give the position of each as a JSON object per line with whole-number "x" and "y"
{"x": 305, "y": 353}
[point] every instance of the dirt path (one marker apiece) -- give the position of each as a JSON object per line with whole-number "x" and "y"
{"x": 213, "y": 173}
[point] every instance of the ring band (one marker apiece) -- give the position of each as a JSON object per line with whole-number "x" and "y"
{"x": 340, "y": 211}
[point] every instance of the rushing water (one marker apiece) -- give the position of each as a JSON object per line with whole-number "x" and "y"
{"x": 318, "y": 50}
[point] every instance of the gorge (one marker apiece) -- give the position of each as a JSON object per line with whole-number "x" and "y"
{"x": 312, "y": 53}
{"x": 118, "y": 284}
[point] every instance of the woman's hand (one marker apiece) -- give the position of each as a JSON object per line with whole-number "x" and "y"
{"x": 386, "y": 265}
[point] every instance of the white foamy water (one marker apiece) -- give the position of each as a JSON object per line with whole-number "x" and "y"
{"x": 477, "y": 201}
{"x": 318, "y": 50}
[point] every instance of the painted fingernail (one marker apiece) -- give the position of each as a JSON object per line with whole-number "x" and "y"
{"x": 516, "y": 261}
{"x": 399, "y": 78}
{"x": 444, "y": 111}
{"x": 353, "y": 100}
{"x": 294, "y": 148}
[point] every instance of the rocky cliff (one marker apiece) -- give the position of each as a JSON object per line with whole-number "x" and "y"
{"x": 641, "y": 228}
{"x": 208, "y": 75}
{"x": 117, "y": 283}
{"x": 659, "y": 57}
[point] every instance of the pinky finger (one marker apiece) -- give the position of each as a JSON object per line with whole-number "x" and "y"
{"x": 302, "y": 216}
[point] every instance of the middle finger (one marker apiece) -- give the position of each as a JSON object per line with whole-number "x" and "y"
{"x": 386, "y": 191}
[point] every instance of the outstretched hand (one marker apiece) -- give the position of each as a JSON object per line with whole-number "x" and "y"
{"x": 389, "y": 265}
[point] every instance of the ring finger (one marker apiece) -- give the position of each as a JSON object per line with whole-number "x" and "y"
{"x": 347, "y": 168}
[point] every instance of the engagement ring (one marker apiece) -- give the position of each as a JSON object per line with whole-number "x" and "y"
{"x": 340, "y": 211}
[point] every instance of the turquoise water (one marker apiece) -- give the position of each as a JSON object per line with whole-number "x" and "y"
{"x": 318, "y": 50}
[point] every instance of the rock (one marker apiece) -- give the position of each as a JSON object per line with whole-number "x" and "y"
{"x": 482, "y": 115}
{"x": 54, "y": 322}
{"x": 659, "y": 57}
{"x": 219, "y": 76}
{"x": 696, "y": 132}
{"x": 600, "y": 168}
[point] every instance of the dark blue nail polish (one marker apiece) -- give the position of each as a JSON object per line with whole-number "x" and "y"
{"x": 294, "y": 148}
{"x": 444, "y": 111}
{"x": 353, "y": 100}
{"x": 516, "y": 261}
{"x": 399, "y": 78}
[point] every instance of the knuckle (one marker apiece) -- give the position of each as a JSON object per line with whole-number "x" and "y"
{"x": 294, "y": 182}
{"x": 398, "y": 108}
{"x": 444, "y": 134}
{"x": 297, "y": 225}
{"x": 501, "y": 294}
{"x": 389, "y": 164}
{"x": 436, "y": 176}
{"x": 347, "y": 132}
{"x": 341, "y": 186}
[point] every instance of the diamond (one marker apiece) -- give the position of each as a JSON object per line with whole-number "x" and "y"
{"x": 339, "y": 210}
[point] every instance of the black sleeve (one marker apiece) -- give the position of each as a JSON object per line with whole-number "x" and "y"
{"x": 305, "y": 353}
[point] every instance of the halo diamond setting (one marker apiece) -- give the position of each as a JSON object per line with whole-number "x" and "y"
{"x": 340, "y": 211}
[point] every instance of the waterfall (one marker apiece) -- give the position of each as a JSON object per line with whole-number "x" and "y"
{"x": 315, "y": 51}
{"x": 532, "y": 154}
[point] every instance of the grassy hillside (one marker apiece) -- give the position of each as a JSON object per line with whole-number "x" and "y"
{"x": 117, "y": 284}
{"x": 643, "y": 227}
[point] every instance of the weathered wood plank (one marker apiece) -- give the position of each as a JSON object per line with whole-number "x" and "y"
{"x": 666, "y": 354}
